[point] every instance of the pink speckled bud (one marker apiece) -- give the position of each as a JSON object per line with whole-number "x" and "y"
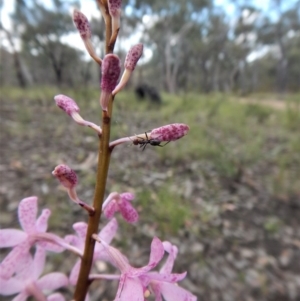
{"x": 84, "y": 28}
{"x": 66, "y": 176}
{"x": 110, "y": 69}
{"x": 82, "y": 24}
{"x": 169, "y": 132}
{"x": 131, "y": 60}
{"x": 69, "y": 105}
{"x": 133, "y": 56}
{"x": 114, "y": 8}
{"x": 66, "y": 103}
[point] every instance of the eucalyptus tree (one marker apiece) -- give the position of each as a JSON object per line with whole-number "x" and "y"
{"x": 170, "y": 30}
{"x": 277, "y": 30}
{"x": 43, "y": 29}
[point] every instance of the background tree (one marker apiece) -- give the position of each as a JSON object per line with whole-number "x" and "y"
{"x": 238, "y": 47}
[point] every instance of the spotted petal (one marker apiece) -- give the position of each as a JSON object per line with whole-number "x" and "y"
{"x": 27, "y": 212}
{"x": 11, "y": 261}
{"x": 41, "y": 223}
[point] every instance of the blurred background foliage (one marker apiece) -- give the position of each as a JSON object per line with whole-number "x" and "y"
{"x": 201, "y": 45}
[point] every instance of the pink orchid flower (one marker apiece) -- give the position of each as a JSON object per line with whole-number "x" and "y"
{"x": 136, "y": 283}
{"x": 34, "y": 232}
{"x": 27, "y": 281}
{"x": 120, "y": 202}
{"x": 106, "y": 234}
{"x": 164, "y": 283}
{"x": 131, "y": 285}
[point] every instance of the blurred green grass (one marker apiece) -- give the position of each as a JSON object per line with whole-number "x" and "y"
{"x": 227, "y": 134}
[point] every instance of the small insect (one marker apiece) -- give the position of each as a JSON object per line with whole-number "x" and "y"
{"x": 143, "y": 142}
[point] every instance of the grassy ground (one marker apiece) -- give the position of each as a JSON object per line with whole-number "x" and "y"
{"x": 228, "y": 194}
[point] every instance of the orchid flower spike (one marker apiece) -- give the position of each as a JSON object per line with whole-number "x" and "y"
{"x": 69, "y": 105}
{"x": 83, "y": 26}
{"x": 68, "y": 178}
{"x": 114, "y": 8}
{"x": 120, "y": 202}
{"x": 110, "y": 70}
{"x": 131, "y": 60}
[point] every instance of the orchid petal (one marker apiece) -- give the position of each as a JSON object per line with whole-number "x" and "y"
{"x": 11, "y": 261}
{"x": 127, "y": 196}
{"x": 110, "y": 209}
{"x": 172, "y": 250}
{"x": 56, "y": 297}
{"x": 172, "y": 278}
{"x": 21, "y": 297}
{"x": 27, "y": 212}
{"x": 11, "y": 237}
{"x": 116, "y": 258}
{"x": 172, "y": 292}
{"x": 41, "y": 223}
{"x": 51, "y": 246}
{"x": 156, "y": 254}
{"x": 38, "y": 262}
{"x": 71, "y": 239}
{"x": 130, "y": 289}
{"x": 74, "y": 273}
{"x": 23, "y": 269}
{"x": 81, "y": 229}
{"x": 106, "y": 234}
{"x": 52, "y": 281}
{"x": 109, "y": 231}
{"x": 10, "y": 286}
{"x": 49, "y": 241}
{"x": 128, "y": 212}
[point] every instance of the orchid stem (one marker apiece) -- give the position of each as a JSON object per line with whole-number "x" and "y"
{"x": 93, "y": 222}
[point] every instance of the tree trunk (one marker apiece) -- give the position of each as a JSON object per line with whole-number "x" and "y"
{"x": 17, "y": 61}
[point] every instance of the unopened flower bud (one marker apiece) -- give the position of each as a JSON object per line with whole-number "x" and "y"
{"x": 131, "y": 60}
{"x": 82, "y": 24}
{"x": 66, "y": 175}
{"x": 69, "y": 105}
{"x": 84, "y": 28}
{"x": 114, "y": 8}
{"x": 110, "y": 70}
{"x": 133, "y": 56}
{"x": 169, "y": 132}
{"x": 68, "y": 178}
{"x": 66, "y": 103}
